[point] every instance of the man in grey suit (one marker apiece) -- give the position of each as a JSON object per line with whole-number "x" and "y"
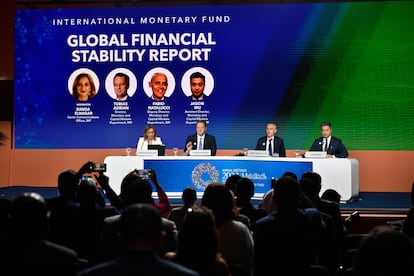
{"x": 271, "y": 142}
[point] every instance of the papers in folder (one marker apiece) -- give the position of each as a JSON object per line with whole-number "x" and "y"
{"x": 152, "y": 152}
{"x": 315, "y": 154}
{"x": 258, "y": 153}
{"x": 205, "y": 152}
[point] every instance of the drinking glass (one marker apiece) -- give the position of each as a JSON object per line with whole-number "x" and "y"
{"x": 128, "y": 151}
{"x": 297, "y": 152}
{"x": 175, "y": 150}
{"x": 245, "y": 151}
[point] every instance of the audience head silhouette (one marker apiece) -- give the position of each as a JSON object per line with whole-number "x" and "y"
{"x": 331, "y": 195}
{"x": 384, "y": 251}
{"x": 231, "y": 182}
{"x": 314, "y": 177}
{"x": 68, "y": 182}
{"x": 286, "y": 193}
{"x": 141, "y": 227}
{"x": 134, "y": 189}
{"x": 189, "y": 196}
{"x": 29, "y": 219}
{"x": 291, "y": 174}
{"x": 220, "y": 200}
{"x": 86, "y": 194}
{"x": 244, "y": 189}
{"x": 199, "y": 222}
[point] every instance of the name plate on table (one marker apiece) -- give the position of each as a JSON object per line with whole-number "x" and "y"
{"x": 257, "y": 153}
{"x": 205, "y": 152}
{"x": 153, "y": 152}
{"x": 315, "y": 154}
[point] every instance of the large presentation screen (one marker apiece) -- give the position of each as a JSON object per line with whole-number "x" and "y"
{"x": 95, "y": 77}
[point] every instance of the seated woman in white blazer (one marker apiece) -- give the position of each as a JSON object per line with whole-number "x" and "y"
{"x": 150, "y": 138}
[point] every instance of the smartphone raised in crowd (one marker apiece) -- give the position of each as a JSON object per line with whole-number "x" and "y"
{"x": 145, "y": 173}
{"x": 99, "y": 167}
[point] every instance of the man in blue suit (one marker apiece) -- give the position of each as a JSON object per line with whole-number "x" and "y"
{"x": 271, "y": 142}
{"x": 332, "y": 145}
{"x": 201, "y": 140}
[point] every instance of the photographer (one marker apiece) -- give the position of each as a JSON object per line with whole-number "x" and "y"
{"x": 135, "y": 188}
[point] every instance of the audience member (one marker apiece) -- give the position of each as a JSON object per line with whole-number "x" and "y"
{"x": 331, "y": 254}
{"x": 384, "y": 251}
{"x": 26, "y": 251}
{"x": 287, "y": 242}
{"x": 244, "y": 194}
{"x": 231, "y": 182}
{"x": 5, "y": 210}
{"x": 198, "y": 244}
{"x": 162, "y": 203}
{"x": 331, "y": 195}
{"x": 235, "y": 238}
{"x": 189, "y": 199}
{"x": 332, "y": 145}
{"x": 141, "y": 232}
{"x": 201, "y": 140}
{"x": 408, "y": 223}
{"x": 88, "y": 221}
{"x": 134, "y": 190}
{"x": 272, "y": 143}
{"x": 64, "y": 209}
{"x": 267, "y": 203}
{"x": 312, "y": 190}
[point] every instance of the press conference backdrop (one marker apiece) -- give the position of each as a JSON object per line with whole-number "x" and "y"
{"x": 295, "y": 64}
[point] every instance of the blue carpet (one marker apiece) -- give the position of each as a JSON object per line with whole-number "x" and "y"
{"x": 372, "y": 200}
{"x": 380, "y": 200}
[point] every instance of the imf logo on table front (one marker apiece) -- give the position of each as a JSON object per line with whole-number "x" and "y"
{"x": 204, "y": 174}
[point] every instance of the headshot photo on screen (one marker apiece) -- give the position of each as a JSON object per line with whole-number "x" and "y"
{"x": 159, "y": 84}
{"x": 83, "y": 84}
{"x": 121, "y": 84}
{"x": 197, "y": 83}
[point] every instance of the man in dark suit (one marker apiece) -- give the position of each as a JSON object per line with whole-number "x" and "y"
{"x": 201, "y": 140}
{"x": 332, "y": 145}
{"x": 271, "y": 142}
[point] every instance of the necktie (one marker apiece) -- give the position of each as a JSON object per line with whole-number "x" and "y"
{"x": 325, "y": 144}
{"x": 200, "y": 143}
{"x": 269, "y": 148}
